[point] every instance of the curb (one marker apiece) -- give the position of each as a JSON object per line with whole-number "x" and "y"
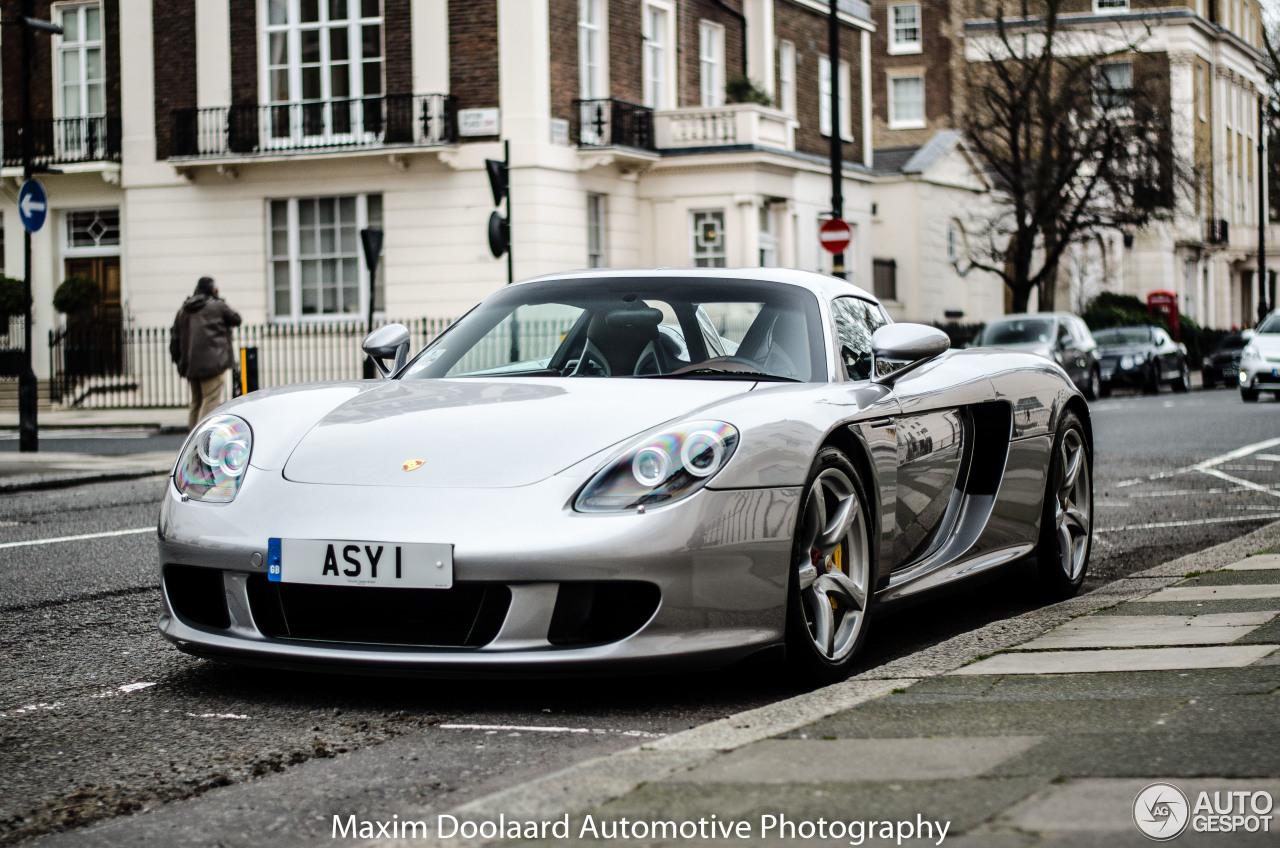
{"x": 602, "y": 779}
{"x": 44, "y": 482}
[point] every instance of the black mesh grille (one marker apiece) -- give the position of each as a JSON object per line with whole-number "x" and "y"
{"x": 599, "y": 613}
{"x": 196, "y": 596}
{"x": 465, "y": 616}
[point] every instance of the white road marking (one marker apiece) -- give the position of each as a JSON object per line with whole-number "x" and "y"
{"x": 219, "y": 715}
{"x": 1269, "y": 457}
{"x": 1157, "y": 525}
{"x": 1182, "y": 493}
{"x": 521, "y": 728}
{"x": 43, "y": 706}
{"x": 103, "y": 535}
{"x": 1209, "y": 466}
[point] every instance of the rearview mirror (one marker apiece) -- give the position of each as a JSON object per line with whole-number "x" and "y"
{"x": 899, "y": 348}
{"x": 388, "y": 342}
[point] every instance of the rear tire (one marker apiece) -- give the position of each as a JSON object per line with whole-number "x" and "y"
{"x": 1182, "y": 382}
{"x": 1207, "y": 381}
{"x": 1151, "y": 384}
{"x": 1105, "y": 391}
{"x": 1066, "y": 521}
{"x": 829, "y": 580}
{"x": 1093, "y": 386}
{"x": 1248, "y": 395}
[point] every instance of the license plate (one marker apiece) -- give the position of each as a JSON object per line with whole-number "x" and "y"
{"x": 327, "y": 562}
{"x": 1106, "y": 373}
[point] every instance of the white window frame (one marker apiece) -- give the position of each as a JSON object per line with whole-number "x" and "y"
{"x": 298, "y": 115}
{"x": 1103, "y": 7}
{"x": 711, "y": 78}
{"x": 658, "y": 65}
{"x": 80, "y": 251}
{"x": 597, "y": 230}
{"x": 895, "y": 121}
{"x": 787, "y": 77}
{"x": 897, "y": 44}
{"x": 824, "y": 99}
{"x": 295, "y": 259}
{"x": 593, "y": 50}
{"x": 1099, "y": 92}
{"x": 768, "y": 237}
{"x": 1202, "y": 92}
{"x": 720, "y": 259}
{"x": 72, "y": 137}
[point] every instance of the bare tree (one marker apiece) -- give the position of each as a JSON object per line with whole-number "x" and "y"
{"x": 1075, "y": 129}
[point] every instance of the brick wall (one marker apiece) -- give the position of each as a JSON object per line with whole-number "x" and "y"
{"x": 807, "y": 30}
{"x": 41, "y": 64}
{"x": 933, "y": 61}
{"x": 244, "y": 52}
{"x": 473, "y": 52}
{"x": 626, "y": 42}
{"x": 564, "y": 57}
{"x": 397, "y": 41}
{"x": 173, "y": 32}
{"x": 690, "y": 15}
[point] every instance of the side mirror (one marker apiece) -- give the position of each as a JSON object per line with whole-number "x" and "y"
{"x": 1248, "y": 335}
{"x": 388, "y": 342}
{"x": 899, "y": 348}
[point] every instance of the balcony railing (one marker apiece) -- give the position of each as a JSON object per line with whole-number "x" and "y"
{"x": 412, "y": 120}
{"x": 65, "y": 141}
{"x": 613, "y": 123}
{"x": 724, "y": 126}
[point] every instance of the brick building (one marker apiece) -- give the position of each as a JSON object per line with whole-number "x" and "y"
{"x": 251, "y": 140}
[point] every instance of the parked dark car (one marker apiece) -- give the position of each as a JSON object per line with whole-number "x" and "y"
{"x": 1141, "y": 357}
{"x": 1059, "y": 336}
{"x": 1222, "y": 367}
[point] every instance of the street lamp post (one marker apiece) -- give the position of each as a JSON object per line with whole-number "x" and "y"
{"x": 836, "y": 148}
{"x": 28, "y": 388}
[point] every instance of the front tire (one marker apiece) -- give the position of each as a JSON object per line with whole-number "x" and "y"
{"x": 1182, "y": 382}
{"x": 1066, "y": 523}
{"x": 1093, "y": 386}
{"x": 829, "y": 585}
{"x": 1248, "y": 395}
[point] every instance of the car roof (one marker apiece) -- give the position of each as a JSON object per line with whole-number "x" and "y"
{"x": 824, "y": 286}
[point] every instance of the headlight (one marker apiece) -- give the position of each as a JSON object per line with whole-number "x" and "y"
{"x": 1250, "y": 352}
{"x": 1126, "y": 362}
{"x": 214, "y": 460}
{"x": 660, "y": 469}
{"x": 1139, "y": 358}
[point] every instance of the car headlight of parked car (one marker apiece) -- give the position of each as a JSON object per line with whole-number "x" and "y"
{"x": 1250, "y": 352}
{"x": 214, "y": 460}
{"x": 1132, "y": 361}
{"x": 661, "y": 469}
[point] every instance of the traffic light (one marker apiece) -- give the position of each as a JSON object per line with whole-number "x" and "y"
{"x": 499, "y": 225}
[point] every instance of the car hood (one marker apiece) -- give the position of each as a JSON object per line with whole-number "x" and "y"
{"x": 1038, "y": 348}
{"x": 1123, "y": 350}
{"x": 476, "y": 433}
{"x": 1268, "y": 344}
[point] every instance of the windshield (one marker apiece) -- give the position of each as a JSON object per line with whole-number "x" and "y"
{"x": 1021, "y": 331}
{"x": 1271, "y": 325}
{"x": 634, "y": 327}
{"x": 1123, "y": 336}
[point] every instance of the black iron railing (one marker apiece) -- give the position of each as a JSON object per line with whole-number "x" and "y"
{"x": 613, "y": 123}
{"x": 63, "y": 141}
{"x": 421, "y": 120}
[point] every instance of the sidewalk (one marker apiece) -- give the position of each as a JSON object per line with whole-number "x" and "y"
{"x": 55, "y": 469}
{"x": 1041, "y": 730}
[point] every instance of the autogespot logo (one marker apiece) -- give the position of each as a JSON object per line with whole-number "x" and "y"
{"x": 1161, "y": 811}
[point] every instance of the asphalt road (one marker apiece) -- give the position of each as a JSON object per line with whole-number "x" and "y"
{"x": 100, "y": 718}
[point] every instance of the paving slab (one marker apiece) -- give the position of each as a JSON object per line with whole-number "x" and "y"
{"x": 899, "y": 717}
{"x": 1231, "y": 592}
{"x": 1129, "y": 631}
{"x": 1261, "y": 562}
{"x": 1160, "y": 751}
{"x": 1174, "y": 683}
{"x": 822, "y": 761}
{"x": 1122, "y": 659}
{"x": 1227, "y": 577}
{"x": 1227, "y": 713}
{"x": 1194, "y": 607}
{"x": 1267, "y": 634}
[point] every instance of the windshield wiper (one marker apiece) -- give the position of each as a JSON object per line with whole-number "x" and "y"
{"x": 730, "y": 373}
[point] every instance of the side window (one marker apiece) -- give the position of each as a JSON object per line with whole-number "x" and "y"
{"x": 856, "y": 320}
{"x": 1064, "y": 336}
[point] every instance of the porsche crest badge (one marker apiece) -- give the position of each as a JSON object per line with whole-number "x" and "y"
{"x": 413, "y": 464}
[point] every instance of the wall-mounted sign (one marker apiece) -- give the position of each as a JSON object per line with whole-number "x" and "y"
{"x": 477, "y": 122}
{"x": 559, "y": 131}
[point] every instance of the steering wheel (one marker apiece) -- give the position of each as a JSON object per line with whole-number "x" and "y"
{"x": 591, "y": 364}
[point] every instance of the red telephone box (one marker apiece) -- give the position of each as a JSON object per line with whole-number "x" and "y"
{"x": 1164, "y": 301}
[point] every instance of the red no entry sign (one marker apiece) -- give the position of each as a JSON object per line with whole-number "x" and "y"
{"x": 834, "y": 234}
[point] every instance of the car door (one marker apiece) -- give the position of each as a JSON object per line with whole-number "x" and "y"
{"x": 1069, "y": 354}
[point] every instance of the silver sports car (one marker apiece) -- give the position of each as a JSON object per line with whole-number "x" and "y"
{"x": 623, "y": 469}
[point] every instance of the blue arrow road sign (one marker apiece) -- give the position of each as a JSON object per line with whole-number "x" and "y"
{"x": 33, "y": 205}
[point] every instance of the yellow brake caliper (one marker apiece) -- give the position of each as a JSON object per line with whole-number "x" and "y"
{"x": 837, "y": 557}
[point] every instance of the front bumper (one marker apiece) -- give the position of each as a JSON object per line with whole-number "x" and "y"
{"x": 1260, "y": 374}
{"x": 718, "y": 560}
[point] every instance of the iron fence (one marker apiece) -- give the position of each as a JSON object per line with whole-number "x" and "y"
{"x": 366, "y": 122}
{"x": 96, "y": 367}
{"x": 613, "y": 123}
{"x": 59, "y": 141}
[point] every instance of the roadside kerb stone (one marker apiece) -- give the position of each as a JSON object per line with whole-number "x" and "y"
{"x": 1119, "y": 659}
{"x": 1261, "y": 562}
{"x": 1112, "y": 631}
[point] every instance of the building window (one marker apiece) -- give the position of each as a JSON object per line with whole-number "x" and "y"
{"x": 595, "y": 231}
{"x": 906, "y": 102}
{"x": 824, "y": 99}
{"x": 708, "y": 238}
{"x": 711, "y": 63}
{"x": 657, "y": 57}
{"x": 787, "y": 77}
{"x": 323, "y": 69}
{"x": 1202, "y": 93}
{"x": 768, "y": 237}
{"x": 315, "y": 264}
{"x": 904, "y": 28}
{"x": 590, "y": 50}
{"x": 91, "y": 229}
{"x": 1110, "y": 5}
{"x": 884, "y": 276}
{"x": 955, "y": 242}
{"x": 80, "y": 80}
{"x": 1113, "y": 86}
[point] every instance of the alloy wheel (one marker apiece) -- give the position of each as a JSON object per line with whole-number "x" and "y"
{"x": 1073, "y": 505}
{"x": 833, "y": 564}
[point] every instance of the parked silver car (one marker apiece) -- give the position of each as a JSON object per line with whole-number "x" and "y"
{"x": 580, "y": 474}
{"x": 1058, "y": 336}
{"x": 1260, "y": 360}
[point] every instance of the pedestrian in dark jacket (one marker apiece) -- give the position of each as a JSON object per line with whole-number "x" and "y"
{"x": 200, "y": 345}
